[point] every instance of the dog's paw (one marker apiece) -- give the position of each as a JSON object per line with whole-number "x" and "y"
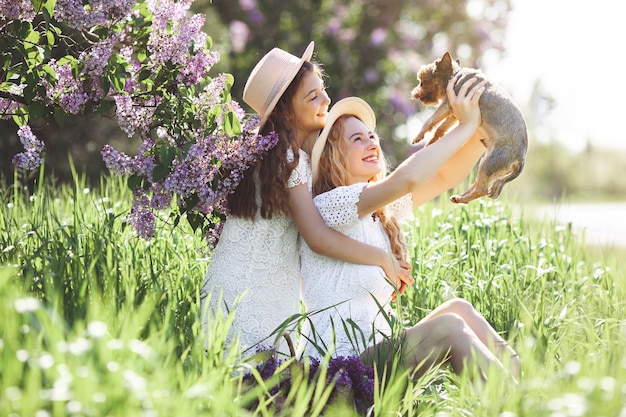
{"x": 457, "y": 199}
{"x": 418, "y": 138}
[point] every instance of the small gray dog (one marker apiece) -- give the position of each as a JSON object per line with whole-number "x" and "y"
{"x": 503, "y": 125}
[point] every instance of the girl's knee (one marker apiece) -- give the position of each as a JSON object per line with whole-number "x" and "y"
{"x": 459, "y": 306}
{"x": 449, "y": 325}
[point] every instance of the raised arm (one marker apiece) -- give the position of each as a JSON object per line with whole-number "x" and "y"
{"x": 453, "y": 172}
{"x": 431, "y": 170}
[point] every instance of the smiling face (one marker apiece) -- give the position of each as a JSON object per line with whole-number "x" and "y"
{"x": 362, "y": 151}
{"x": 310, "y": 106}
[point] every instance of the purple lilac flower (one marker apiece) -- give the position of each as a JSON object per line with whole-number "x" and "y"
{"x": 173, "y": 33}
{"x": 31, "y": 158}
{"x": 197, "y": 67}
{"x": 17, "y": 10}
{"x": 181, "y": 179}
{"x": 145, "y": 161}
{"x": 118, "y": 162}
{"x": 212, "y": 235}
{"x": 67, "y": 89}
{"x": 95, "y": 59}
{"x": 141, "y": 215}
{"x": 95, "y": 13}
{"x": 251, "y": 123}
{"x": 209, "y": 97}
{"x": 134, "y": 118}
{"x": 161, "y": 199}
{"x": 8, "y": 108}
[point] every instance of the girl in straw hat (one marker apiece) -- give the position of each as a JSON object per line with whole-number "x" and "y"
{"x": 349, "y": 303}
{"x": 255, "y": 267}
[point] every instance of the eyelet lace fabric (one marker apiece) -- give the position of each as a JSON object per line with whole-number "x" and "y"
{"x": 255, "y": 268}
{"x": 340, "y": 295}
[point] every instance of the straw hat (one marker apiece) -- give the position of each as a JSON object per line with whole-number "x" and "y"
{"x": 270, "y": 78}
{"x": 350, "y": 105}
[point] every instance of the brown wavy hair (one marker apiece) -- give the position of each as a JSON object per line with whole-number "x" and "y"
{"x": 273, "y": 171}
{"x": 333, "y": 172}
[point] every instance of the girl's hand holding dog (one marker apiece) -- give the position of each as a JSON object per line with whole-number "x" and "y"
{"x": 465, "y": 104}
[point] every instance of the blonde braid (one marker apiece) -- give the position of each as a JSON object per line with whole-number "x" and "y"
{"x": 333, "y": 173}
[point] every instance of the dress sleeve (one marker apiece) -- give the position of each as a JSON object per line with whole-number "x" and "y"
{"x": 301, "y": 174}
{"x": 402, "y": 208}
{"x": 338, "y": 206}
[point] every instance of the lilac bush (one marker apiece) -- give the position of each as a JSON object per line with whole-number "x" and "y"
{"x": 150, "y": 63}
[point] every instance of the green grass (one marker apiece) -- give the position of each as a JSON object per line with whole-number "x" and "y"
{"x": 96, "y": 322}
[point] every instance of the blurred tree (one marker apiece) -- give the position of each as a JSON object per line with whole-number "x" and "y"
{"x": 368, "y": 48}
{"x": 371, "y": 48}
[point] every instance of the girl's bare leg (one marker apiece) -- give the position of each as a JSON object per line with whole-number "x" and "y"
{"x": 445, "y": 338}
{"x": 483, "y": 330}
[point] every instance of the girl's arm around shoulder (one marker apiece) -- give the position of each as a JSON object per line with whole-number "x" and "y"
{"x": 328, "y": 242}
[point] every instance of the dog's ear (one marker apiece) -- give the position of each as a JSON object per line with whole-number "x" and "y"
{"x": 444, "y": 66}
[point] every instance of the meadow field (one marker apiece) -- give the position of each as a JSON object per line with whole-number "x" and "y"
{"x": 97, "y": 322}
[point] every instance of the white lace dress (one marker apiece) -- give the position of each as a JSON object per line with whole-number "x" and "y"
{"x": 255, "y": 267}
{"x": 344, "y": 295}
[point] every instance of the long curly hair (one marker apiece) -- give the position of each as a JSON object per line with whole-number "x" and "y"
{"x": 333, "y": 172}
{"x": 273, "y": 171}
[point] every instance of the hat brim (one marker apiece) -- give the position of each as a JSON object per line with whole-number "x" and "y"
{"x": 306, "y": 56}
{"x": 354, "y": 106}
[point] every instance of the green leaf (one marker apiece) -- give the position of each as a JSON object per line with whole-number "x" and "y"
{"x": 144, "y": 74}
{"x": 105, "y": 106}
{"x": 20, "y": 116}
{"x": 68, "y": 59}
{"x": 190, "y": 202}
{"x": 159, "y": 172}
{"x": 135, "y": 181}
{"x": 59, "y": 116}
{"x": 168, "y": 153}
{"x": 37, "y": 5}
{"x": 50, "y": 37}
{"x": 23, "y": 29}
{"x": 30, "y": 89}
{"x": 37, "y": 109}
{"x": 117, "y": 82}
{"x": 195, "y": 220}
{"x": 231, "y": 124}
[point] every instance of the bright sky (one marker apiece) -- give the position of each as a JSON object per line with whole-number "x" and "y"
{"x": 576, "y": 49}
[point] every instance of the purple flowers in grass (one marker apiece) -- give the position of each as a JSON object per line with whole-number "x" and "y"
{"x": 353, "y": 381}
{"x": 353, "y": 377}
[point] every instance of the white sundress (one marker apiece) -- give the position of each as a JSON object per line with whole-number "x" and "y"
{"x": 338, "y": 293}
{"x": 255, "y": 268}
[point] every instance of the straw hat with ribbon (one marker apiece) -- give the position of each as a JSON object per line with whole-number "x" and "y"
{"x": 350, "y": 105}
{"x": 270, "y": 78}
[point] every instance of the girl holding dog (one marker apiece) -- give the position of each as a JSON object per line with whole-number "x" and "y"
{"x": 347, "y": 302}
{"x": 255, "y": 267}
